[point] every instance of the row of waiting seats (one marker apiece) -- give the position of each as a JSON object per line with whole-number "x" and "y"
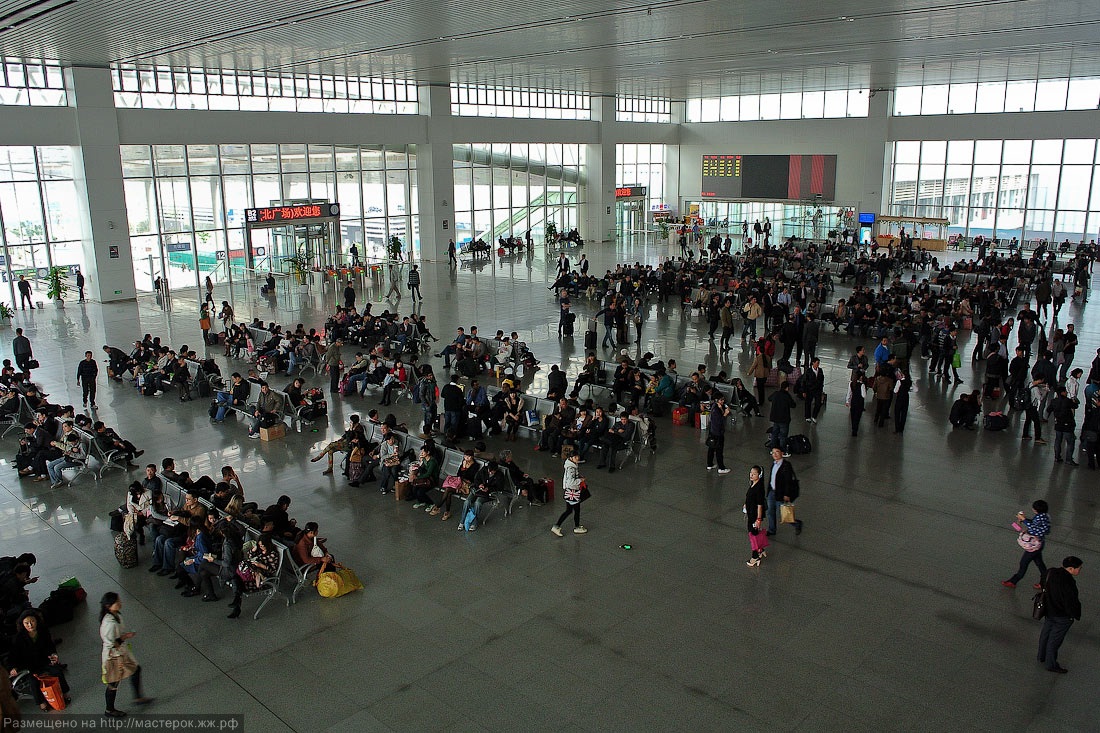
{"x": 273, "y": 585}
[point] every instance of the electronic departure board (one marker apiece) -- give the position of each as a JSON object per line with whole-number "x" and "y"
{"x": 783, "y": 177}
{"x": 279, "y": 214}
{"x": 722, "y": 176}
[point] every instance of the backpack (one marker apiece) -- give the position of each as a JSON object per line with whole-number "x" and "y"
{"x": 798, "y": 445}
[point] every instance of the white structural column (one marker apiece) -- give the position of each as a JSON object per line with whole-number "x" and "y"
{"x": 598, "y": 211}
{"x": 99, "y": 173}
{"x": 435, "y": 178}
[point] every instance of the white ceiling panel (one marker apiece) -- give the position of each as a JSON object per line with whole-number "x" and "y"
{"x": 672, "y": 48}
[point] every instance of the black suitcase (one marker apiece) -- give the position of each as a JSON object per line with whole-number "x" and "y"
{"x": 567, "y": 327}
{"x": 590, "y": 340}
{"x": 473, "y": 428}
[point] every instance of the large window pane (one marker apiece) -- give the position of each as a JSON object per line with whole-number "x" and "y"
{"x": 206, "y": 203}
{"x": 991, "y": 98}
{"x": 168, "y": 160}
{"x": 175, "y": 206}
{"x": 235, "y": 159}
{"x": 1050, "y": 94}
{"x": 141, "y": 210}
{"x": 62, "y": 203}
{"x": 22, "y": 207}
{"x": 1073, "y": 189}
{"x": 202, "y": 160}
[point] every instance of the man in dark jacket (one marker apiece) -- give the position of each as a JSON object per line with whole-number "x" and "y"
{"x": 1065, "y": 423}
{"x": 782, "y": 404}
{"x": 1063, "y": 607}
{"x": 454, "y": 402}
{"x": 87, "y": 371}
{"x": 21, "y": 350}
{"x": 782, "y": 488}
{"x": 813, "y": 386}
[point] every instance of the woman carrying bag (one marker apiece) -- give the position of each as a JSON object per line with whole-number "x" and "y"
{"x": 575, "y": 491}
{"x": 33, "y": 649}
{"x": 755, "y": 502}
{"x": 1032, "y": 538}
{"x": 117, "y": 660}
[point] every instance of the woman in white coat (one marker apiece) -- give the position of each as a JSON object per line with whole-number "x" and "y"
{"x": 571, "y": 490}
{"x": 117, "y": 661}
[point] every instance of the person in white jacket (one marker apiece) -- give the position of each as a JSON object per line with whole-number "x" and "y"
{"x": 572, "y": 486}
{"x": 114, "y": 635}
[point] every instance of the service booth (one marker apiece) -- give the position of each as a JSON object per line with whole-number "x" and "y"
{"x": 927, "y": 233}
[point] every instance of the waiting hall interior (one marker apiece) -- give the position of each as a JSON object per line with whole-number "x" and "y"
{"x": 288, "y": 190}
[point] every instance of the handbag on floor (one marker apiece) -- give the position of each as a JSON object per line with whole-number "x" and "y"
{"x": 337, "y": 582}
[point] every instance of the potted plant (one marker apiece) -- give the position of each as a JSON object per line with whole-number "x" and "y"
{"x": 394, "y": 247}
{"x": 299, "y": 268}
{"x": 551, "y": 232}
{"x": 58, "y": 279}
{"x": 663, "y": 229}
{"x": 6, "y": 314}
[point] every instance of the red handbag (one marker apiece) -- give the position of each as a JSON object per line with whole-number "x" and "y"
{"x": 758, "y": 541}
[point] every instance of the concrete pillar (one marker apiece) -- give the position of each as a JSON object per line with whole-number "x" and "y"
{"x": 435, "y": 178}
{"x": 598, "y": 215}
{"x": 98, "y": 165}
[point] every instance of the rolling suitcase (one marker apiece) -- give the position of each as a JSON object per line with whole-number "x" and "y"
{"x": 590, "y": 340}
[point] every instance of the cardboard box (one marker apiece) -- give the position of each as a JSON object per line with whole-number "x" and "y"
{"x": 274, "y": 432}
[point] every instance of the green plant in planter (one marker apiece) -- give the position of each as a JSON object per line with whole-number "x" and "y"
{"x": 58, "y": 280}
{"x": 551, "y": 232}
{"x": 663, "y": 229}
{"x": 394, "y": 247}
{"x": 298, "y": 266}
{"x": 6, "y": 312}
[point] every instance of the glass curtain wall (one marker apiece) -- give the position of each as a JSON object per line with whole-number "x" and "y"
{"x": 639, "y": 165}
{"x": 788, "y": 220}
{"x": 1029, "y": 189}
{"x": 503, "y": 190}
{"x": 186, "y": 204}
{"x": 40, "y": 219}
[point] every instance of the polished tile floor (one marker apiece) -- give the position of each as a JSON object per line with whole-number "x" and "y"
{"x": 885, "y": 614}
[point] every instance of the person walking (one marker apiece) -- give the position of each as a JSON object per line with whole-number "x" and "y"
{"x": 22, "y": 351}
{"x": 725, "y": 316}
{"x": 1065, "y": 423}
{"x": 205, "y": 323}
{"x": 716, "y": 435}
{"x": 755, "y": 503}
{"x": 451, "y": 251}
{"x": 80, "y": 286}
{"x": 354, "y": 252}
{"x": 573, "y": 489}
{"x": 782, "y": 488}
{"x": 414, "y": 284}
{"x": 752, "y": 312}
{"x": 24, "y": 293}
{"x": 813, "y": 388}
{"x": 1038, "y": 527}
{"x": 209, "y": 291}
{"x": 332, "y": 363}
{"x": 1035, "y": 396}
{"x": 117, "y": 660}
{"x": 349, "y": 295}
{"x": 780, "y": 415}
{"x": 1063, "y": 607}
{"x": 902, "y": 387}
{"x": 87, "y": 371}
{"x": 429, "y": 401}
